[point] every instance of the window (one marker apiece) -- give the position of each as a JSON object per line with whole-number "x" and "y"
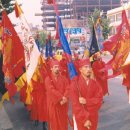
{"x": 113, "y": 31}
{"x": 93, "y": 2}
{"x": 105, "y": 2}
{"x": 118, "y": 17}
{"x": 112, "y": 18}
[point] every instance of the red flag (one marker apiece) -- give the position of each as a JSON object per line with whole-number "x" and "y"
{"x": 13, "y": 55}
{"x": 119, "y": 44}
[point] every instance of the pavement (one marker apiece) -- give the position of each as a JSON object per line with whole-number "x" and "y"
{"x": 5, "y": 123}
{"x": 115, "y": 112}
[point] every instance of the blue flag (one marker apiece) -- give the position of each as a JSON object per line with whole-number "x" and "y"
{"x": 38, "y": 44}
{"x": 50, "y": 47}
{"x": 66, "y": 48}
{"x": 47, "y": 48}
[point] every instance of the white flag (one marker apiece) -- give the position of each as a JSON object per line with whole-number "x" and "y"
{"x": 30, "y": 48}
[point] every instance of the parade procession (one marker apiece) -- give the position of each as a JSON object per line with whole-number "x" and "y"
{"x": 71, "y": 73}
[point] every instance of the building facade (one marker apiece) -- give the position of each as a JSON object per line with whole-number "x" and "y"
{"x": 83, "y": 8}
{"x": 77, "y": 9}
{"x": 115, "y": 16}
{"x": 49, "y": 15}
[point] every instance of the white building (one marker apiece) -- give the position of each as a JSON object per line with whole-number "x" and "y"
{"x": 115, "y": 16}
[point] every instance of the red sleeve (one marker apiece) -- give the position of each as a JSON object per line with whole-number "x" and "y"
{"x": 67, "y": 88}
{"x": 96, "y": 71}
{"x": 79, "y": 110}
{"x": 56, "y": 96}
{"x": 99, "y": 70}
{"x": 95, "y": 102}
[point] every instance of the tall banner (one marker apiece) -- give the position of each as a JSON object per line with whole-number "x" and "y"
{"x": 66, "y": 48}
{"x": 30, "y": 48}
{"x": 13, "y": 55}
{"x": 94, "y": 48}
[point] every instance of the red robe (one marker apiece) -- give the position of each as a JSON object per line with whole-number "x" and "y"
{"x": 39, "y": 102}
{"x": 76, "y": 64}
{"x": 23, "y": 94}
{"x": 93, "y": 95}
{"x": 56, "y": 89}
{"x": 64, "y": 68}
{"x": 126, "y": 73}
{"x": 101, "y": 75}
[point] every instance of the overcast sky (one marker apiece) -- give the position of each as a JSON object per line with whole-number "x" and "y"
{"x": 30, "y": 7}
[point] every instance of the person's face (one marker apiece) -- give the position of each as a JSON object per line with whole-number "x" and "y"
{"x": 55, "y": 69}
{"x": 86, "y": 70}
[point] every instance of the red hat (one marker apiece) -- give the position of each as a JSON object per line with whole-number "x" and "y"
{"x": 84, "y": 62}
{"x": 54, "y": 62}
{"x": 63, "y": 55}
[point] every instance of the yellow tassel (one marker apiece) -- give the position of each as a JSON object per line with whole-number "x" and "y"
{"x": 21, "y": 82}
{"x": 29, "y": 97}
{"x": 124, "y": 76}
{"x": 4, "y": 97}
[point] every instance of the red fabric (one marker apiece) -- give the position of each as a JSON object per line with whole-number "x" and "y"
{"x": 101, "y": 75}
{"x": 12, "y": 89}
{"x": 17, "y": 61}
{"x": 49, "y": 36}
{"x": 23, "y": 94}
{"x": 76, "y": 64}
{"x": 56, "y": 7}
{"x": 54, "y": 62}
{"x": 64, "y": 68}
{"x": 76, "y": 56}
{"x": 13, "y": 55}
{"x": 83, "y": 62}
{"x": 39, "y": 102}
{"x": 110, "y": 44}
{"x": 50, "y": 1}
{"x": 93, "y": 95}
{"x": 57, "y": 32}
{"x": 56, "y": 89}
{"x": 119, "y": 45}
{"x": 126, "y": 73}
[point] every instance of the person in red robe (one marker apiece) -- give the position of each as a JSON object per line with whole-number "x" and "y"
{"x": 76, "y": 62}
{"x": 86, "y": 95}
{"x": 100, "y": 73}
{"x": 63, "y": 66}
{"x": 57, "y": 87}
{"x": 125, "y": 70}
{"x": 38, "y": 111}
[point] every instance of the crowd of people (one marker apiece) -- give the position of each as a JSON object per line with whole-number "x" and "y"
{"x": 53, "y": 94}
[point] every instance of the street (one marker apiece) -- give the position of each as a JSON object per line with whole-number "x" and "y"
{"x": 114, "y": 114}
